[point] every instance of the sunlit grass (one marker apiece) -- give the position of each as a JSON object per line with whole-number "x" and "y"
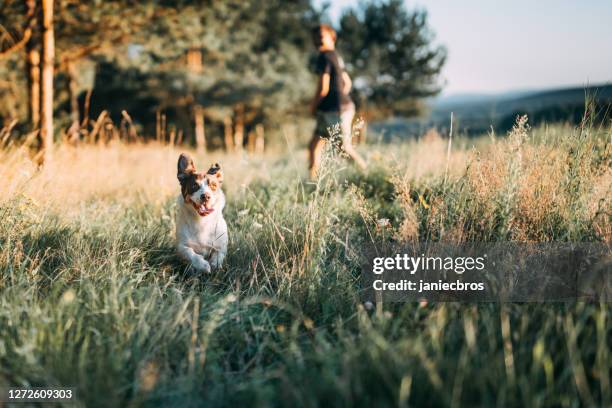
{"x": 92, "y": 295}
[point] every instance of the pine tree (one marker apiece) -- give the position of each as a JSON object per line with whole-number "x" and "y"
{"x": 252, "y": 60}
{"x": 388, "y": 50}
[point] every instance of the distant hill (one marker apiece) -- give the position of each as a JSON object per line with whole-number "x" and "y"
{"x": 478, "y": 113}
{"x": 475, "y": 98}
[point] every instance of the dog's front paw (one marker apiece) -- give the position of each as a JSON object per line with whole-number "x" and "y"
{"x": 216, "y": 260}
{"x": 200, "y": 264}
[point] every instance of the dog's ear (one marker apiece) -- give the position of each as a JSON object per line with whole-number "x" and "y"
{"x": 185, "y": 167}
{"x": 215, "y": 170}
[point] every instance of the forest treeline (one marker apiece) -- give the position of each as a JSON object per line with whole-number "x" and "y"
{"x": 204, "y": 72}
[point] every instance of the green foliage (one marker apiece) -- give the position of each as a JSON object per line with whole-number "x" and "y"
{"x": 253, "y": 54}
{"x": 389, "y": 51}
{"x": 245, "y": 60}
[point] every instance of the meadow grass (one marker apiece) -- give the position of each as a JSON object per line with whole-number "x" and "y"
{"x": 92, "y": 295}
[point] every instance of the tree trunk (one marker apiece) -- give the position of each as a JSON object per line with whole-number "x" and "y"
{"x": 33, "y": 74}
{"x": 259, "y": 138}
{"x": 162, "y": 136}
{"x": 46, "y": 108}
{"x": 251, "y": 141}
{"x": 227, "y": 133}
{"x": 172, "y": 135}
{"x": 157, "y": 125}
{"x": 74, "y": 132}
{"x": 200, "y": 135}
{"x": 239, "y": 128}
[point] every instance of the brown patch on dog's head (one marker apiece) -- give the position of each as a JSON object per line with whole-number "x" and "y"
{"x": 187, "y": 176}
{"x": 215, "y": 176}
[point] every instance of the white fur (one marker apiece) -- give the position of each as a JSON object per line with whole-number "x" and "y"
{"x": 201, "y": 241}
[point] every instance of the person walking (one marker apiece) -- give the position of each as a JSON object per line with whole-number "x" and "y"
{"x": 332, "y": 106}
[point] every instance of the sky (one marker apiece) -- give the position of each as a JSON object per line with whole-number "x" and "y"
{"x": 509, "y": 45}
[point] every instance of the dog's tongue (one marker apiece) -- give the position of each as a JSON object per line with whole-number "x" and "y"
{"x": 203, "y": 211}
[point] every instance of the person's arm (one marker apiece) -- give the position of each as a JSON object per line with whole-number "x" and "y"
{"x": 322, "y": 91}
{"x": 348, "y": 84}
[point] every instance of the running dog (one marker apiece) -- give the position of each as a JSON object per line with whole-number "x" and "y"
{"x": 201, "y": 231}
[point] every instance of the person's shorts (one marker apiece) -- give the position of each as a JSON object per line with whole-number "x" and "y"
{"x": 335, "y": 125}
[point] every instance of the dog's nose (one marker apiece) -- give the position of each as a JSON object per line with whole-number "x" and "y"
{"x": 205, "y": 197}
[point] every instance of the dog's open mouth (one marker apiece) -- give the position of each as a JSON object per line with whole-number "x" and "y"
{"x": 202, "y": 210}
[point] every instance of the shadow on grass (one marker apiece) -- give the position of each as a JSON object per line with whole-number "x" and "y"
{"x": 66, "y": 253}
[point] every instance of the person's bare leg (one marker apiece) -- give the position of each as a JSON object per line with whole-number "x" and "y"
{"x": 315, "y": 149}
{"x": 346, "y": 119}
{"x": 347, "y": 146}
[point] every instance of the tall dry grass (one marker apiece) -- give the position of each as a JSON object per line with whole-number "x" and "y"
{"x": 92, "y": 295}
{"x": 536, "y": 185}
